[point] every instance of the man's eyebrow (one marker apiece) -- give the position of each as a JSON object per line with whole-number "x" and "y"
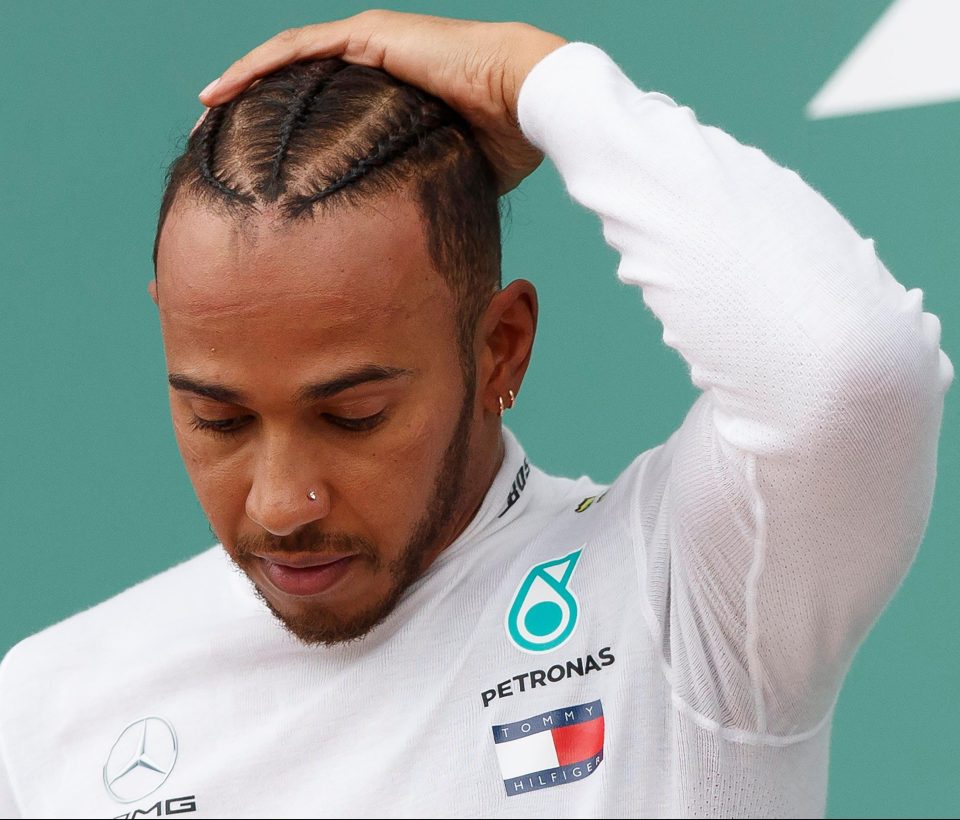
{"x": 353, "y": 378}
{"x": 217, "y": 392}
{"x": 312, "y": 392}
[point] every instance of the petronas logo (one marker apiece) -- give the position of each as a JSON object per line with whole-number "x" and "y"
{"x": 544, "y": 611}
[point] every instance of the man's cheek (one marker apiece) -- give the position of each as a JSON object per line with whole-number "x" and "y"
{"x": 411, "y": 472}
{"x": 221, "y": 486}
{"x": 419, "y": 442}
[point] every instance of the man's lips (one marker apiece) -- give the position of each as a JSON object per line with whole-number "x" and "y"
{"x": 305, "y": 574}
{"x": 304, "y": 560}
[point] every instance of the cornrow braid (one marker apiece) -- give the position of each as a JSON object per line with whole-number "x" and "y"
{"x": 294, "y": 118}
{"x": 419, "y": 126}
{"x": 207, "y": 137}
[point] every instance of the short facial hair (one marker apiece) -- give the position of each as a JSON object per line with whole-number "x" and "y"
{"x": 325, "y": 627}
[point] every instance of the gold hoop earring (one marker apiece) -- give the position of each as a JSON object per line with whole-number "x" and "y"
{"x": 500, "y": 399}
{"x": 513, "y": 399}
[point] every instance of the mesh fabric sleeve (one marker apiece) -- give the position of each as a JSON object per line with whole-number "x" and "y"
{"x": 8, "y": 805}
{"x": 778, "y": 520}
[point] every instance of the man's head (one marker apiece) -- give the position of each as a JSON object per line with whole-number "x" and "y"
{"x": 328, "y": 261}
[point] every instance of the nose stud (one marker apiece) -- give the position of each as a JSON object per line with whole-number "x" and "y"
{"x": 312, "y": 495}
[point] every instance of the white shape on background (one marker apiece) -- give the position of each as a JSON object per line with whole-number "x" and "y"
{"x": 911, "y": 56}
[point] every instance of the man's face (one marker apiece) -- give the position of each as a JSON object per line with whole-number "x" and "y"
{"x": 319, "y": 403}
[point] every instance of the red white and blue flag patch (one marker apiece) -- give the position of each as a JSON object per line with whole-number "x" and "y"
{"x": 551, "y": 748}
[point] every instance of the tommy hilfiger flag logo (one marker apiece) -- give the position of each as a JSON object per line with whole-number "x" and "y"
{"x": 551, "y": 748}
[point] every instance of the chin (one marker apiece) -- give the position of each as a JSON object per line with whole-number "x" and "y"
{"x": 315, "y": 624}
{"x": 320, "y": 626}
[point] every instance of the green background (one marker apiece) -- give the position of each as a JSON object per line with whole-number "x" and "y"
{"x": 95, "y": 100}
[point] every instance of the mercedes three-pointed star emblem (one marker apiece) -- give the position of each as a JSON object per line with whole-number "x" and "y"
{"x": 140, "y": 760}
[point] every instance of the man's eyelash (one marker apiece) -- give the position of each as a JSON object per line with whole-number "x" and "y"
{"x": 219, "y": 427}
{"x": 229, "y": 427}
{"x": 356, "y": 425}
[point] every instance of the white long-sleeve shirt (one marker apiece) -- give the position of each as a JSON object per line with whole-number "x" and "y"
{"x": 670, "y": 645}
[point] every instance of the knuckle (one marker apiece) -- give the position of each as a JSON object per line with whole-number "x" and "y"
{"x": 238, "y": 66}
{"x": 364, "y": 47}
{"x": 373, "y": 15}
{"x": 515, "y": 30}
{"x": 288, "y": 35}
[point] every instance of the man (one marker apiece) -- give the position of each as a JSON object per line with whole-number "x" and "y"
{"x": 425, "y": 624}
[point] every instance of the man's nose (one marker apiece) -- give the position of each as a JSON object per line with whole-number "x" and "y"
{"x": 286, "y": 492}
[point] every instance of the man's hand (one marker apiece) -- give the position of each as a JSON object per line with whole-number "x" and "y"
{"x": 476, "y": 68}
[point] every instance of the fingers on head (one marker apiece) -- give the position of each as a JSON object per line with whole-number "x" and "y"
{"x": 285, "y": 47}
{"x": 353, "y": 38}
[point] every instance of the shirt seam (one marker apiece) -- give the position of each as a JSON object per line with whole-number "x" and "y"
{"x": 751, "y": 594}
{"x": 751, "y": 643}
{"x": 746, "y": 737}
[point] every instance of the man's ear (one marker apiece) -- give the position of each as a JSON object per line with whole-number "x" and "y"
{"x": 152, "y": 290}
{"x": 507, "y": 328}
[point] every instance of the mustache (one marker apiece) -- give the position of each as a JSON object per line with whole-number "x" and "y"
{"x": 303, "y": 541}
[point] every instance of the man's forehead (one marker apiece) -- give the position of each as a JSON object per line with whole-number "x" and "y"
{"x": 354, "y": 258}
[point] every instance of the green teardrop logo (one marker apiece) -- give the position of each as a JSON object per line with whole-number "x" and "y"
{"x": 544, "y": 611}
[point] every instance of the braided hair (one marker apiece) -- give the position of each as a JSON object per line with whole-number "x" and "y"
{"x": 326, "y": 134}
{"x": 207, "y": 144}
{"x": 416, "y": 126}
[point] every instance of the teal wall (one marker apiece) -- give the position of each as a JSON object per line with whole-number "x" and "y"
{"x": 95, "y": 99}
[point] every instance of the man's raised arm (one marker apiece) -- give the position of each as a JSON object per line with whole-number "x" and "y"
{"x": 787, "y": 508}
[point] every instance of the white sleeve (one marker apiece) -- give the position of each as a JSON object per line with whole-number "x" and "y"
{"x": 775, "y": 524}
{"x": 8, "y": 803}
{"x": 8, "y": 806}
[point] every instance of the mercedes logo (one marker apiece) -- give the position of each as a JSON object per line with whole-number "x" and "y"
{"x": 140, "y": 760}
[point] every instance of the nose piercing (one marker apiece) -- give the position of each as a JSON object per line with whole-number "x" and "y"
{"x": 312, "y": 495}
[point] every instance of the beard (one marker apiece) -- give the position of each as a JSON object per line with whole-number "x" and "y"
{"x": 323, "y": 625}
